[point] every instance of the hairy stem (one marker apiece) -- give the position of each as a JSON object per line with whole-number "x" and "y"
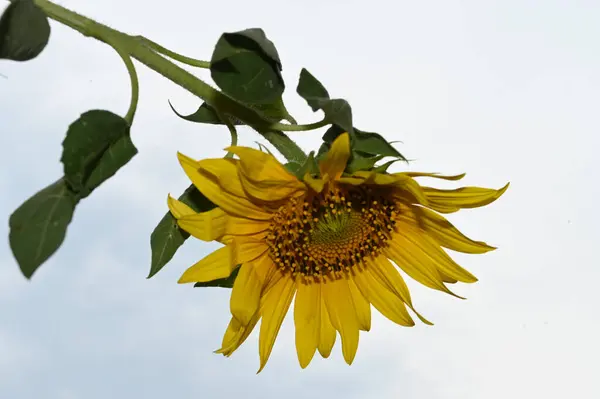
{"x": 134, "y": 48}
{"x": 173, "y": 55}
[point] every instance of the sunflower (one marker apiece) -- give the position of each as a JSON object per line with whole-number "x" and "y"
{"x": 329, "y": 241}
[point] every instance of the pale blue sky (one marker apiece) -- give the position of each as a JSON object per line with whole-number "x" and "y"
{"x": 505, "y": 91}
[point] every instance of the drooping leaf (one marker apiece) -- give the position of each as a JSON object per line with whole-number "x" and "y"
{"x": 293, "y": 167}
{"x": 24, "y": 31}
{"x": 97, "y": 145}
{"x": 274, "y": 112}
{"x": 364, "y": 145}
{"x": 167, "y": 237}
{"x": 310, "y": 89}
{"x": 263, "y": 148}
{"x": 204, "y": 114}
{"x": 360, "y": 162}
{"x": 374, "y": 144}
{"x": 246, "y": 66}
{"x": 310, "y": 166}
{"x": 337, "y": 111}
{"x": 323, "y": 149}
{"x": 385, "y": 166}
{"x": 226, "y": 282}
{"x": 38, "y": 227}
{"x": 331, "y": 134}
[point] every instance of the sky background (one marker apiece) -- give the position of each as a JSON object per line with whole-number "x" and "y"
{"x": 502, "y": 90}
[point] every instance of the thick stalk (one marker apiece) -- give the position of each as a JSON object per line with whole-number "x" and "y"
{"x": 132, "y": 46}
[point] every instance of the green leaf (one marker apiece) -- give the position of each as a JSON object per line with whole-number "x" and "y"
{"x": 38, "y": 227}
{"x": 310, "y": 166}
{"x": 97, "y": 145}
{"x": 24, "y": 31}
{"x": 205, "y": 114}
{"x": 274, "y": 112}
{"x": 360, "y": 162}
{"x": 328, "y": 138}
{"x": 293, "y": 167}
{"x": 374, "y": 144}
{"x": 337, "y": 111}
{"x": 246, "y": 66}
{"x": 226, "y": 282}
{"x": 384, "y": 167}
{"x": 167, "y": 237}
{"x": 310, "y": 89}
{"x": 263, "y": 148}
{"x": 365, "y": 144}
{"x": 323, "y": 149}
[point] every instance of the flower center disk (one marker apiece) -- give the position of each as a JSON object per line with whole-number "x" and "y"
{"x": 329, "y": 234}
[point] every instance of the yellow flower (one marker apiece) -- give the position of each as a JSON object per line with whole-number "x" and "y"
{"x": 328, "y": 241}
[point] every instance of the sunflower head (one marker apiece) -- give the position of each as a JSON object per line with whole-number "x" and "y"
{"x": 335, "y": 241}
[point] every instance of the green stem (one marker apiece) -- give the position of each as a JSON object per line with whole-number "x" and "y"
{"x": 141, "y": 52}
{"x": 135, "y": 86}
{"x": 302, "y": 128}
{"x": 232, "y": 131}
{"x": 171, "y": 54}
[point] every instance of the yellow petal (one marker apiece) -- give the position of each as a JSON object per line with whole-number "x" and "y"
{"x": 384, "y": 300}
{"x": 465, "y": 197}
{"x": 271, "y": 190}
{"x": 388, "y": 276}
{"x": 379, "y": 178}
{"x": 353, "y": 181}
{"x": 259, "y": 166}
{"x": 275, "y": 306}
{"x": 263, "y": 177}
{"x": 218, "y": 264}
{"x": 236, "y": 334}
{"x": 316, "y": 184}
{"x": 434, "y": 175}
{"x": 239, "y": 226}
{"x": 217, "y": 179}
{"x": 431, "y": 254}
{"x": 266, "y": 271}
{"x": 206, "y": 226}
{"x": 342, "y": 314}
{"x": 411, "y": 190}
{"x": 245, "y": 296}
{"x": 326, "y": 332}
{"x": 361, "y": 306}
{"x": 399, "y": 250}
{"x": 179, "y": 209}
{"x": 306, "y": 319}
{"x": 442, "y": 230}
{"x": 247, "y": 249}
{"x": 337, "y": 157}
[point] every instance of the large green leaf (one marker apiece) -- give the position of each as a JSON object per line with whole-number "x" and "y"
{"x": 97, "y": 145}
{"x": 24, "y": 31}
{"x": 226, "y": 282}
{"x": 246, "y": 66}
{"x": 167, "y": 237}
{"x": 38, "y": 227}
{"x": 337, "y": 111}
